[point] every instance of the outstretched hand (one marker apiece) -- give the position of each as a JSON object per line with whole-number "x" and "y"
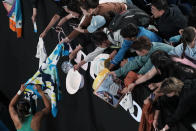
{"x": 72, "y": 55}
{"x": 76, "y": 67}
{"x": 128, "y": 89}
{"x": 123, "y": 62}
{"x": 166, "y": 127}
{"x": 113, "y": 74}
{"x": 43, "y": 34}
{"x": 58, "y": 29}
{"x": 155, "y": 124}
{"x": 125, "y": 90}
{"x": 66, "y": 40}
{"x": 22, "y": 87}
{"x": 38, "y": 87}
{"x": 33, "y": 17}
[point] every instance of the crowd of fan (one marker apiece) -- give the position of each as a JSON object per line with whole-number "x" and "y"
{"x": 146, "y": 39}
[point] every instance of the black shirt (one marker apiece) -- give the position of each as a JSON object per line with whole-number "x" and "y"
{"x": 170, "y": 22}
{"x": 179, "y": 107}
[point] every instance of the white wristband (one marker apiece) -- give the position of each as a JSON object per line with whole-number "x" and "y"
{"x": 19, "y": 92}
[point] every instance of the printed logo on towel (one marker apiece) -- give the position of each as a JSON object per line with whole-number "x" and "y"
{"x": 137, "y": 108}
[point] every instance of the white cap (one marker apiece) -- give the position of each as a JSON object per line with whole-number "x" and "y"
{"x": 74, "y": 81}
{"x": 96, "y": 22}
{"x": 97, "y": 64}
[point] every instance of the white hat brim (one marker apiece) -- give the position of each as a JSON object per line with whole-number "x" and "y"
{"x": 98, "y": 63}
{"x": 73, "y": 81}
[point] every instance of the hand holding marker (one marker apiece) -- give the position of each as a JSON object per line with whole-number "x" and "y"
{"x": 35, "y": 27}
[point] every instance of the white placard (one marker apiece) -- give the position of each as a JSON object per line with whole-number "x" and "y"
{"x": 127, "y": 102}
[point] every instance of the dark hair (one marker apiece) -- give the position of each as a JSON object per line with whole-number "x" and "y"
{"x": 98, "y": 37}
{"x": 84, "y": 38}
{"x": 160, "y": 4}
{"x": 192, "y": 2}
{"x": 188, "y": 36}
{"x": 108, "y": 17}
{"x": 23, "y": 107}
{"x": 141, "y": 43}
{"x": 192, "y": 17}
{"x": 73, "y": 5}
{"x": 131, "y": 30}
{"x": 62, "y": 2}
{"x": 87, "y": 4}
{"x": 162, "y": 61}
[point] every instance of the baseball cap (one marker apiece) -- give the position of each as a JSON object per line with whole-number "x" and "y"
{"x": 96, "y": 22}
{"x": 74, "y": 81}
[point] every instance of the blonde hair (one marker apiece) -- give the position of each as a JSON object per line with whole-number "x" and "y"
{"x": 171, "y": 84}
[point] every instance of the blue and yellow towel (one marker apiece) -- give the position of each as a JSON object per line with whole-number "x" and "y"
{"x": 47, "y": 76}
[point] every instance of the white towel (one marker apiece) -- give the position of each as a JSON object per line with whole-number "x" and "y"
{"x": 41, "y": 52}
{"x": 194, "y": 125}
